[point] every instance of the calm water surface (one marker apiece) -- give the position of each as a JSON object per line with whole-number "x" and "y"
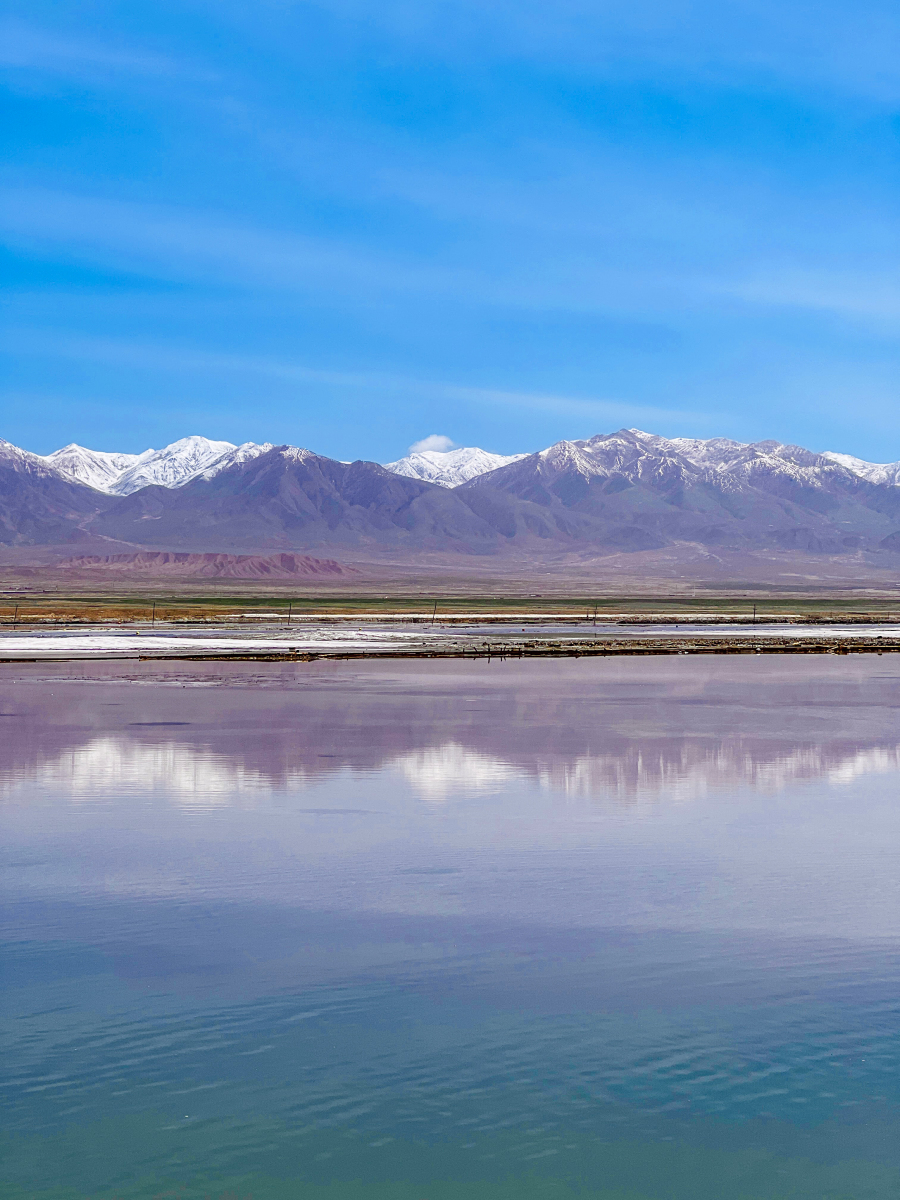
{"x": 625, "y": 929}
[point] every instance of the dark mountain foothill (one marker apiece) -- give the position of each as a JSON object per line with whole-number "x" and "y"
{"x": 210, "y": 566}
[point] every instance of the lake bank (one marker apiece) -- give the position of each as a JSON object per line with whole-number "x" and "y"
{"x": 475, "y": 637}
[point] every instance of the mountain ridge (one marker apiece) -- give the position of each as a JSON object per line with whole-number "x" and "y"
{"x": 623, "y": 491}
{"x": 172, "y": 466}
{"x": 189, "y": 457}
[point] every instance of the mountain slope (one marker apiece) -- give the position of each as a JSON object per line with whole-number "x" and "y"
{"x": 287, "y": 498}
{"x": 635, "y": 490}
{"x": 97, "y": 468}
{"x": 171, "y": 466}
{"x": 39, "y": 506}
{"x": 875, "y": 472}
{"x": 626, "y": 491}
{"x": 231, "y": 458}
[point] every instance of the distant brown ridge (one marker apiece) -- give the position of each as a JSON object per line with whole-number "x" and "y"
{"x": 227, "y": 566}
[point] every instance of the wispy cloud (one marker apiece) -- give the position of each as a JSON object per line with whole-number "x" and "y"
{"x": 177, "y": 244}
{"x": 871, "y": 298}
{"x": 144, "y": 356}
{"x": 589, "y": 209}
{"x": 609, "y": 274}
{"x": 28, "y": 48}
{"x": 824, "y": 46}
{"x": 605, "y": 411}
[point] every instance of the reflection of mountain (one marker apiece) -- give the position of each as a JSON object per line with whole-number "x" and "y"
{"x": 183, "y": 772}
{"x": 692, "y": 770}
{"x": 189, "y": 774}
{"x": 626, "y": 730}
{"x": 441, "y": 771}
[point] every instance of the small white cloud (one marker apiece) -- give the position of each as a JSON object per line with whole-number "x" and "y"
{"x": 435, "y": 441}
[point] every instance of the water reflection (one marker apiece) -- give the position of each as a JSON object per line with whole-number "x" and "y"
{"x": 450, "y": 930}
{"x": 184, "y": 772}
{"x": 691, "y": 770}
{"x": 593, "y": 730}
{"x": 113, "y": 764}
{"x": 439, "y": 772}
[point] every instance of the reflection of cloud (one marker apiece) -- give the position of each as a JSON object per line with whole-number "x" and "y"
{"x": 443, "y": 770}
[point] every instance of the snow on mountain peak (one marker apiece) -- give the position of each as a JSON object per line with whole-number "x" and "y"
{"x": 23, "y": 460}
{"x": 578, "y": 456}
{"x": 449, "y": 468}
{"x": 231, "y": 458}
{"x": 97, "y": 468}
{"x": 631, "y": 452}
{"x": 874, "y": 472}
{"x": 171, "y": 466}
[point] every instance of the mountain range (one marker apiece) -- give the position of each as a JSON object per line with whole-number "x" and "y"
{"x": 122, "y": 474}
{"x": 623, "y": 491}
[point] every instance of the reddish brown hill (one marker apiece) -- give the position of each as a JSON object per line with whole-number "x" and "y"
{"x": 228, "y": 566}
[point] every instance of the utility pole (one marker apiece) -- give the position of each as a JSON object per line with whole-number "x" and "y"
{"x": 434, "y": 612}
{"x": 290, "y": 606}
{"x": 153, "y": 615}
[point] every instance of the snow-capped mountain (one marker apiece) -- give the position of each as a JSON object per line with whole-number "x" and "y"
{"x": 622, "y": 491}
{"x": 231, "y": 458}
{"x": 450, "y": 468}
{"x": 97, "y": 468}
{"x": 173, "y": 466}
{"x": 39, "y": 505}
{"x": 635, "y": 456}
{"x": 636, "y": 491}
{"x": 200, "y": 458}
{"x": 13, "y": 458}
{"x": 725, "y": 455}
{"x": 875, "y": 472}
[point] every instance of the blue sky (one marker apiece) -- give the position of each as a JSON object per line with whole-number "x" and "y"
{"x": 348, "y": 224}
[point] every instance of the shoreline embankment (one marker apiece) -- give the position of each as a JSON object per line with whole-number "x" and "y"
{"x": 471, "y": 636}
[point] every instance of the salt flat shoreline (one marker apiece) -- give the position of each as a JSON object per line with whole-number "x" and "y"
{"x": 475, "y": 638}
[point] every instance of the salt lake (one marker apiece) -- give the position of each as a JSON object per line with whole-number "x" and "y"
{"x": 613, "y": 928}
